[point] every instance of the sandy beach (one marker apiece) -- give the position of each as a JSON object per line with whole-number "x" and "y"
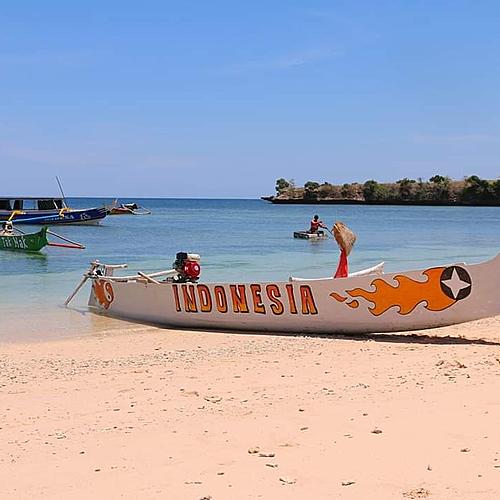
{"x": 156, "y": 413}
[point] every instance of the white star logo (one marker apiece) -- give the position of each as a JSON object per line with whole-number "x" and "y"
{"x": 455, "y": 284}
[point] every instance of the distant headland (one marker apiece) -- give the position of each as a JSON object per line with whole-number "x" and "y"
{"x": 438, "y": 190}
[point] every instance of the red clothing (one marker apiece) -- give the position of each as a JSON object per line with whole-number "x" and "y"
{"x": 343, "y": 267}
{"x": 315, "y": 225}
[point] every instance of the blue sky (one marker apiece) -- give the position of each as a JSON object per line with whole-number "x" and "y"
{"x": 218, "y": 99}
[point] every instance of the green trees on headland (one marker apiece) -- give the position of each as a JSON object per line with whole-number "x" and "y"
{"x": 438, "y": 190}
{"x": 282, "y": 185}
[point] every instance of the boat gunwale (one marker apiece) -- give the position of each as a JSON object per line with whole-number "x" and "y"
{"x": 141, "y": 280}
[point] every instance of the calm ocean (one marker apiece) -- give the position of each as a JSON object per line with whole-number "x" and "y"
{"x": 237, "y": 240}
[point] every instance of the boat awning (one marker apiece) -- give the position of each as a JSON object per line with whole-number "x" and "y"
{"x": 31, "y": 202}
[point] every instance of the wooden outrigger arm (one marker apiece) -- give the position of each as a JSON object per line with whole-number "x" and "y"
{"x": 93, "y": 266}
{"x": 91, "y": 273}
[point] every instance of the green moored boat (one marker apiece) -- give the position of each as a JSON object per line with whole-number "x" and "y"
{"x": 28, "y": 242}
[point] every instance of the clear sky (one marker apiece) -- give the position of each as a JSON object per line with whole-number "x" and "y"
{"x": 220, "y": 98}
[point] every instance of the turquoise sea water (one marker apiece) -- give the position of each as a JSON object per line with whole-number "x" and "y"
{"x": 238, "y": 240}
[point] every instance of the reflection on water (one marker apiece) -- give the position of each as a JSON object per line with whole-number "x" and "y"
{"x": 35, "y": 261}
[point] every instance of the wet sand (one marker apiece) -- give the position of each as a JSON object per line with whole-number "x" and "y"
{"x": 36, "y": 324}
{"x": 155, "y": 413}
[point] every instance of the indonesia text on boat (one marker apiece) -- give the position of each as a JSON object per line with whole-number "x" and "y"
{"x": 411, "y": 300}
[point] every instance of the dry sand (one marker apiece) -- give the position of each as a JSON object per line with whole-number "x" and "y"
{"x": 155, "y": 413}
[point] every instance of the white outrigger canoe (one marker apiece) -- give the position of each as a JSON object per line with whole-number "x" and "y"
{"x": 370, "y": 302}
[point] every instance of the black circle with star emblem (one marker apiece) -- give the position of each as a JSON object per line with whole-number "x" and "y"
{"x": 464, "y": 277}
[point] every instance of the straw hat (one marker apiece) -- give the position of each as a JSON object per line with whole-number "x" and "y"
{"x": 344, "y": 237}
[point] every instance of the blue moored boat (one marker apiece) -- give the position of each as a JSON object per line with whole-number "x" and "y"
{"x": 37, "y": 210}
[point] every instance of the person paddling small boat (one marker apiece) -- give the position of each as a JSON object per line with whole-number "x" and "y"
{"x": 316, "y": 224}
{"x": 314, "y": 232}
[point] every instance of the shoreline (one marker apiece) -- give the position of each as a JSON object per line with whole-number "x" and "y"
{"x": 303, "y": 201}
{"x": 58, "y": 323}
{"x": 157, "y": 413}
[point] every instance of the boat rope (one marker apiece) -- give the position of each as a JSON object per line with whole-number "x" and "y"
{"x": 14, "y": 213}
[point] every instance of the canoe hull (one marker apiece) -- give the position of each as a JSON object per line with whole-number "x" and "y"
{"x": 126, "y": 209}
{"x": 33, "y": 242}
{"x": 411, "y": 300}
{"x": 119, "y": 211}
{"x": 68, "y": 216}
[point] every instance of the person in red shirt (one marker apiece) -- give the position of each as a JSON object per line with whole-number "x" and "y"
{"x": 316, "y": 224}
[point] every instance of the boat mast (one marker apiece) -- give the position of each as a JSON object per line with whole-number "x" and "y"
{"x": 62, "y": 192}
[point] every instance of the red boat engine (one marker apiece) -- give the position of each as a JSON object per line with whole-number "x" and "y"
{"x": 188, "y": 267}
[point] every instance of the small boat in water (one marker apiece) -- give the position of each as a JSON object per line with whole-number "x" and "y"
{"x": 367, "y": 302}
{"x": 315, "y": 231}
{"x": 14, "y": 239}
{"x": 126, "y": 209}
{"x": 26, "y": 242}
{"x": 306, "y": 235}
{"x": 40, "y": 210}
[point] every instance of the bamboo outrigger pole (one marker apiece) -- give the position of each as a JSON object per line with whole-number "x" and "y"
{"x": 75, "y": 243}
{"x": 93, "y": 265}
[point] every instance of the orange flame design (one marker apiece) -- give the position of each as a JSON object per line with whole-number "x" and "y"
{"x": 104, "y": 292}
{"x": 406, "y": 295}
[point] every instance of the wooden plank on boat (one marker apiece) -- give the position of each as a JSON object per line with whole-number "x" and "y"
{"x": 305, "y": 235}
